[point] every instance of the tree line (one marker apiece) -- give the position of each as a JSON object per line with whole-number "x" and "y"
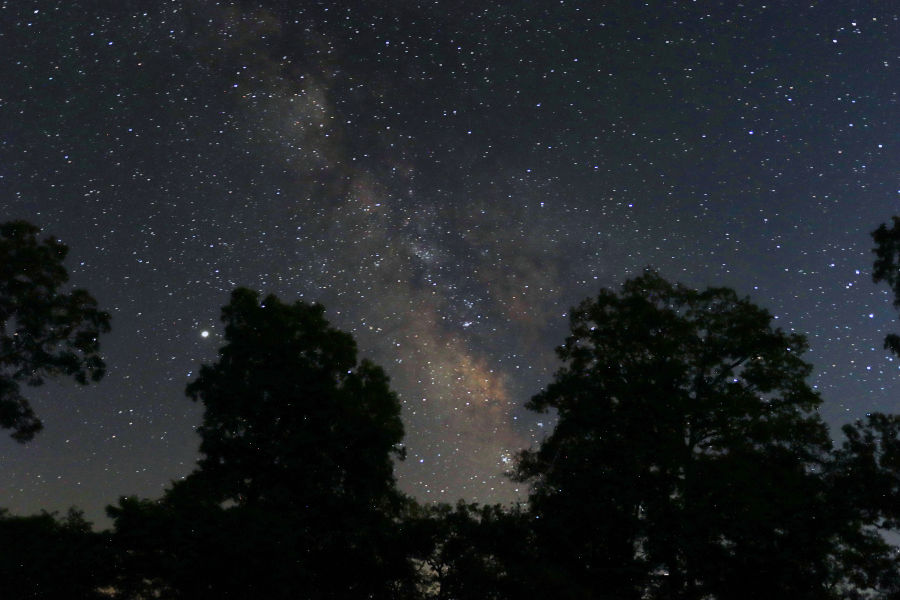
{"x": 688, "y": 462}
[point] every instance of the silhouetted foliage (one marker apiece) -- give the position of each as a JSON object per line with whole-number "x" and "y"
{"x": 687, "y": 459}
{"x": 887, "y": 268}
{"x": 687, "y": 463}
{"x": 43, "y": 557}
{"x": 870, "y": 458}
{"x": 290, "y": 414}
{"x": 865, "y": 478}
{"x": 470, "y": 551}
{"x": 295, "y": 494}
{"x": 181, "y": 548}
{"x": 43, "y": 331}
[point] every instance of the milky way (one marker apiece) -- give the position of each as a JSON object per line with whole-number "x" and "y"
{"x": 447, "y": 179}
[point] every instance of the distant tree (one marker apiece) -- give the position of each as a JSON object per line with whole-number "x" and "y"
{"x": 295, "y": 494}
{"x": 865, "y": 478}
{"x": 44, "y": 557}
{"x": 474, "y": 552}
{"x": 887, "y": 268}
{"x": 687, "y": 459}
{"x": 44, "y": 332}
{"x": 184, "y": 547}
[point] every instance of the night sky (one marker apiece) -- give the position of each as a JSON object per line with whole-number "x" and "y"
{"x": 447, "y": 178}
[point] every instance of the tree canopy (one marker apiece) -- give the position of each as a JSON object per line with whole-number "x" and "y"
{"x": 45, "y": 557}
{"x": 887, "y": 268}
{"x": 295, "y": 479}
{"x": 44, "y": 332}
{"x": 685, "y": 462}
{"x": 469, "y": 551}
{"x": 289, "y": 412}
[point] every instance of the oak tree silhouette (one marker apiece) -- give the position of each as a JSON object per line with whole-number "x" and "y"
{"x": 295, "y": 482}
{"x": 687, "y": 458}
{"x": 44, "y": 332}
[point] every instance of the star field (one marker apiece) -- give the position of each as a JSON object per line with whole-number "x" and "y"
{"x": 447, "y": 179}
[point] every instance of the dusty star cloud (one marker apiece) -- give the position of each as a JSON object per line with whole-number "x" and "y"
{"x": 390, "y": 250}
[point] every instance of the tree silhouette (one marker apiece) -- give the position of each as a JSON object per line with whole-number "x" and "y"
{"x": 475, "y": 552}
{"x": 184, "y": 547}
{"x": 289, "y": 413}
{"x": 865, "y": 478}
{"x": 295, "y": 482}
{"x": 43, "y": 557}
{"x": 43, "y": 331}
{"x": 686, "y": 462}
{"x": 887, "y": 268}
